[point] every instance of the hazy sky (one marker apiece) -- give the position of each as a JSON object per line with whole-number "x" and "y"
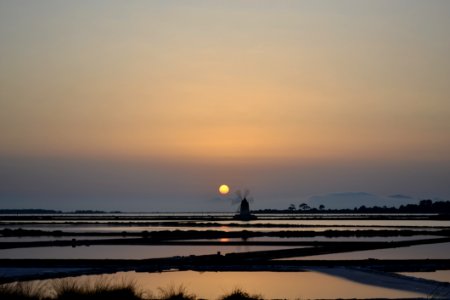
{"x": 150, "y": 105}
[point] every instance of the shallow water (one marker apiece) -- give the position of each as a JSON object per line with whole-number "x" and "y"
{"x": 102, "y": 228}
{"x": 126, "y": 252}
{"x": 356, "y": 223}
{"x": 325, "y": 239}
{"x": 440, "y": 275}
{"x": 272, "y": 220}
{"x": 49, "y": 238}
{"x": 432, "y": 251}
{"x": 210, "y": 285}
{"x": 271, "y": 285}
{"x": 83, "y": 223}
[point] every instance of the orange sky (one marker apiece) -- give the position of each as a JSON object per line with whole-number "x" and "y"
{"x": 291, "y": 81}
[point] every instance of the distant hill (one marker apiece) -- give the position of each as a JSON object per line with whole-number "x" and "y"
{"x": 29, "y": 211}
{"x": 50, "y": 211}
{"x": 351, "y": 200}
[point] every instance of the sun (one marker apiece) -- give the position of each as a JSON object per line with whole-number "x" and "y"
{"x": 224, "y": 189}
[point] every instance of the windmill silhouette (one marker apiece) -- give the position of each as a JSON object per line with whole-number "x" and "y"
{"x": 244, "y": 209}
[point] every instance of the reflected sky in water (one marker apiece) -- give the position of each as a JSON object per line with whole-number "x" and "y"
{"x": 107, "y": 229}
{"x": 271, "y": 285}
{"x": 440, "y": 275}
{"x": 433, "y": 251}
{"x": 126, "y": 252}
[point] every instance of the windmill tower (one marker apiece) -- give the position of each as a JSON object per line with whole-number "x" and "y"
{"x": 244, "y": 210}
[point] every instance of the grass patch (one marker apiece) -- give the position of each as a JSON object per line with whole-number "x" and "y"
{"x": 238, "y": 294}
{"x": 101, "y": 289}
{"x": 175, "y": 293}
{"x": 22, "y": 291}
{"x": 69, "y": 289}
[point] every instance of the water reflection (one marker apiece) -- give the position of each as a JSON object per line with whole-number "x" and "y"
{"x": 432, "y": 251}
{"x": 271, "y": 285}
{"x": 325, "y": 239}
{"x": 134, "y": 228}
{"x": 440, "y": 275}
{"x": 225, "y": 240}
{"x": 126, "y": 252}
{"x": 312, "y": 220}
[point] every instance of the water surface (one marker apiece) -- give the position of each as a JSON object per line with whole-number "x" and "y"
{"x": 431, "y": 251}
{"x": 440, "y": 275}
{"x": 271, "y": 285}
{"x": 125, "y": 252}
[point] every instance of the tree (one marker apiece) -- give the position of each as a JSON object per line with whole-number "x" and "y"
{"x": 321, "y": 207}
{"x": 291, "y": 207}
{"x": 304, "y": 206}
{"x": 425, "y": 204}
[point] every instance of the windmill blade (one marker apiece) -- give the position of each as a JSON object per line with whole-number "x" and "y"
{"x": 251, "y": 199}
{"x": 239, "y": 194}
{"x": 236, "y": 198}
{"x": 235, "y": 201}
{"x": 246, "y": 193}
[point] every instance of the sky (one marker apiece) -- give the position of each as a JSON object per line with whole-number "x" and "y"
{"x": 151, "y": 105}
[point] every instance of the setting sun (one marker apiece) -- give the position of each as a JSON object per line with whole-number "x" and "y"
{"x": 224, "y": 189}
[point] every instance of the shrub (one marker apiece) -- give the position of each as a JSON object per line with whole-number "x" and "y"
{"x": 173, "y": 293}
{"x": 22, "y": 291}
{"x": 69, "y": 289}
{"x": 238, "y": 294}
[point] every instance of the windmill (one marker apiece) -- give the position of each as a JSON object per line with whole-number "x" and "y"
{"x": 244, "y": 209}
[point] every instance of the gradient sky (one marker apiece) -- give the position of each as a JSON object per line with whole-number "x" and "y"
{"x": 150, "y": 105}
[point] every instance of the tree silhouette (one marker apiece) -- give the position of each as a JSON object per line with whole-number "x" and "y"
{"x": 304, "y": 206}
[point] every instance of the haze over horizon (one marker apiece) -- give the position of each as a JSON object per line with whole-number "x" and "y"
{"x": 151, "y": 105}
